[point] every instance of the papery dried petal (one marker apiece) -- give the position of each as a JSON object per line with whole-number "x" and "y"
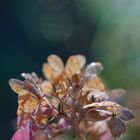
{"x": 94, "y": 83}
{"x": 17, "y": 86}
{"x": 30, "y": 104}
{"x": 50, "y": 74}
{"x": 32, "y": 88}
{"x": 74, "y": 65}
{"x": 97, "y": 114}
{"x": 116, "y": 95}
{"x": 47, "y": 71}
{"x": 31, "y": 77}
{"x": 117, "y": 127}
{"x": 93, "y": 69}
{"x": 26, "y": 103}
{"x": 82, "y": 100}
{"x": 46, "y": 87}
{"x": 126, "y": 115}
{"x": 81, "y": 59}
{"x": 55, "y": 63}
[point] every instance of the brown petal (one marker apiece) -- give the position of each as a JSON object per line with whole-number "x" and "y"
{"x": 17, "y": 86}
{"x": 32, "y": 88}
{"x": 82, "y": 100}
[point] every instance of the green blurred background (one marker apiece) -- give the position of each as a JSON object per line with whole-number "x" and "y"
{"x": 103, "y": 30}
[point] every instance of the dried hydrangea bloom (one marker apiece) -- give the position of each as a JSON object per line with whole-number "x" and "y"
{"x": 71, "y": 98}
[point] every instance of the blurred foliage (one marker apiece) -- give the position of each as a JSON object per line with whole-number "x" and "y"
{"x": 106, "y": 31}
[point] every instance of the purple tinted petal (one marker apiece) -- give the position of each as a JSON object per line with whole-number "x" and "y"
{"x": 22, "y": 134}
{"x": 106, "y": 136}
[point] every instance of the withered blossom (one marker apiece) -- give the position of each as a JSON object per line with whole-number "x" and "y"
{"x": 71, "y": 98}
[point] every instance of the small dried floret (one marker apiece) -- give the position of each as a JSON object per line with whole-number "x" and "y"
{"x": 115, "y": 108}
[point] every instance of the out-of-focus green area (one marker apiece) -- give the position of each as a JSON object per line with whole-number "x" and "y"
{"x": 103, "y": 30}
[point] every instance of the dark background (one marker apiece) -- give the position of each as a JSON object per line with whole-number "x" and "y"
{"x": 105, "y": 31}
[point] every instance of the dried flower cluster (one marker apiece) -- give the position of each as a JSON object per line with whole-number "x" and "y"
{"x": 72, "y": 98}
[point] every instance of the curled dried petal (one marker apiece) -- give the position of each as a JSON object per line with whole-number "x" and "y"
{"x": 115, "y": 108}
